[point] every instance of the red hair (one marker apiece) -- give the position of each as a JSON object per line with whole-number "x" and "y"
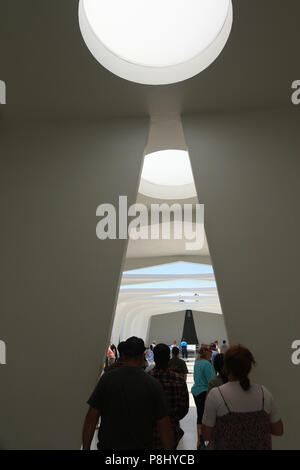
{"x": 238, "y": 362}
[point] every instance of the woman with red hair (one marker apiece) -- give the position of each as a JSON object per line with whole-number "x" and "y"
{"x": 240, "y": 415}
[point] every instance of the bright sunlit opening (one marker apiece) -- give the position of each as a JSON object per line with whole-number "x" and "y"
{"x": 127, "y": 36}
{"x": 168, "y": 168}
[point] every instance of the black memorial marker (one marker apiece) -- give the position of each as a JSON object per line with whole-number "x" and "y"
{"x": 189, "y": 330}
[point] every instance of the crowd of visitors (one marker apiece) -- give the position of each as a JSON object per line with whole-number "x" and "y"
{"x": 142, "y": 397}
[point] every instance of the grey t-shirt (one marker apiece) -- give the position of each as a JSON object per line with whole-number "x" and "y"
{"x": 130, "y": 402}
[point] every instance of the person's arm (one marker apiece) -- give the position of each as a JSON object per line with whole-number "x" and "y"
{"x": 209, "y": 372}
{"x": 207, "y": 432}
{"x": 183, "y": 405}
{"x": 185, "y": 370}
{"x": 209, "y": 416}
{"x": 277, "y": 428}
{"x": 276, "y": 424}
{"x": 211, "y": 384}
{"x": 90, "y": 423}
{"x": 166, "y": 434}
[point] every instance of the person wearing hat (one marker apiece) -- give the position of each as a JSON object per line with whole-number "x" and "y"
{"x": 119, "y": 400}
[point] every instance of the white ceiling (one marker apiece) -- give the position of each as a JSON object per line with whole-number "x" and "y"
{"x": 51, "y": 74}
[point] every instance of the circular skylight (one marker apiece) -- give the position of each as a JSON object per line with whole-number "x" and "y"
{"x": 168, "y": 168}
{"x": 155, "y": 41}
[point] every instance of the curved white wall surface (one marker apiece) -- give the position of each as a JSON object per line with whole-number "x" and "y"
{"x": 156, "y": 42}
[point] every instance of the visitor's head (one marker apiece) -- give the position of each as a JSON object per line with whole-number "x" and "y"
{"x": 224, "y": 342}
{"x": 161, "y": 356}
{"x": 238, "y": 362}
{"x": 134, "y": 350}
{"x": 205, "y": 352}
{"x": 175, "y": 352}
{"x": 219, "y": 363}
{"x": 174, "y": 342}
{"x": 121, "y": 348}
{"x": 212, "y": 346}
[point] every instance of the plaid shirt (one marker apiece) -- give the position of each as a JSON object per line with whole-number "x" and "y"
{"x": 178, "y": 399}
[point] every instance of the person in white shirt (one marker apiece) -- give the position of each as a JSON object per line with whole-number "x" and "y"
{"x": 240, "y": 415}
{"x": 214, "y": 352}
{"x": 224, "y": 347}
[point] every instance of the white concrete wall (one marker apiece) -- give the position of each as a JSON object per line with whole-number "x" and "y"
{"x": 209, "y": 327}
{"x": 166, "y": 328}
{"x": 58, "y": 281}
{"x": 246, "y": 168}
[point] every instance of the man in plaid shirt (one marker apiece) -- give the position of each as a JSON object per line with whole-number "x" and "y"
{"x": 175, "y": 389}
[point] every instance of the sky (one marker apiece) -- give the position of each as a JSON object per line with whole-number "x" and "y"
{"x": 174, "y": 268}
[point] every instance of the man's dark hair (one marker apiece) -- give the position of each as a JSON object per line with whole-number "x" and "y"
{"x": 121, "y": 348}
{"x": 161, "y": 356}
{"x": 133, "y": 347}
{"x": 175, "y": 351}
{"x": 224, "y": 341}
{"x": 219, "y": 367}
